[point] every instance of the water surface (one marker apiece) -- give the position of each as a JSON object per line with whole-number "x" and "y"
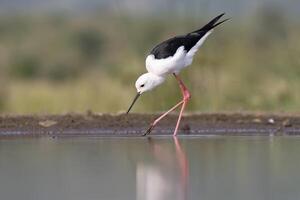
{"x": 224, "y": 168}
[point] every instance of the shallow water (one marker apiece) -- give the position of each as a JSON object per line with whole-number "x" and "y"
{"x": 224, "y": 168}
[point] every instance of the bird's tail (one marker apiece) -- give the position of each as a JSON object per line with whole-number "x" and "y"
{"x": 212, "y": 24}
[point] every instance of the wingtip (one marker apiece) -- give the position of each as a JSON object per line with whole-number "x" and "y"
{"x": 221, "y": 22}
{"x": 219, "y": 16}
{"x": 212, "y": 24}
{"x": 222, "y": 14}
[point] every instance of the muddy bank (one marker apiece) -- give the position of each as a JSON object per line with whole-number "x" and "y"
{"x": 91, "y": 124}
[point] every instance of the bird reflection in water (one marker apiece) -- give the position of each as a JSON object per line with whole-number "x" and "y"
{"x": 166, "y": 177}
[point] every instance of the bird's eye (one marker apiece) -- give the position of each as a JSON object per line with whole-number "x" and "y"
{"x": 142, "y": 85}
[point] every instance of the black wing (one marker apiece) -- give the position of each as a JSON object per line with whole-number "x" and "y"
{"x": 169, "y": 47}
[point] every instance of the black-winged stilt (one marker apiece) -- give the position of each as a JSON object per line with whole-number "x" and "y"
{"x": 170, "y": 57}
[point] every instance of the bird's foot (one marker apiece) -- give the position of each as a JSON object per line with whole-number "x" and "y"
{"x": 148, "y": 130}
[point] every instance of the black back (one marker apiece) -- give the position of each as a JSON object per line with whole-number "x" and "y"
{"x": 169, "y": 47}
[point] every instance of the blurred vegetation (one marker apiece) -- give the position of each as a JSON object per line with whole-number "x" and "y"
{"x": 61, "y": 63}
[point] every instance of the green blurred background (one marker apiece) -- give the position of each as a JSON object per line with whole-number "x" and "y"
{"x": 78, "y": 55}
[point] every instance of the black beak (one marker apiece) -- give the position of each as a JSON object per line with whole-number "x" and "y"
{"x": 134, "y": 100}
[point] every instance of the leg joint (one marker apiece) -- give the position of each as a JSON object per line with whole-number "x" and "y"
{"x": 187, "y": 95}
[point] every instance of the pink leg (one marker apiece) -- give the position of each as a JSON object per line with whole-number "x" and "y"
{"x": 162, "y": 116}
{"x": 179, "y": 118}
{"x": 186, "y": 96}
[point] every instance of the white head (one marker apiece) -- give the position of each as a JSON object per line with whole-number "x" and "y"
{"x": 146, "y": 82}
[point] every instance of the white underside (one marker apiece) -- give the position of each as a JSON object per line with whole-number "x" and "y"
{"x": 175, "y": 63}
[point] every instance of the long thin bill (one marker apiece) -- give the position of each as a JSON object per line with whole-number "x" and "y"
{"x": 134, "y": 100}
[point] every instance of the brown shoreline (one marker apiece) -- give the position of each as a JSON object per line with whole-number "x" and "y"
{"x": 90, "y": 124}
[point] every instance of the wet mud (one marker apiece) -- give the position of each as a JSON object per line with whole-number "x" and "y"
{"x": 92, "y": 124}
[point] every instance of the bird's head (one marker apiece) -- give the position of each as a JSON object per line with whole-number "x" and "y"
{"x": 147, "y": 82}
{"x": 144, "y": 83}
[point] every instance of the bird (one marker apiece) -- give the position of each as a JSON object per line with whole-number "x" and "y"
{"x": 170, "y": 57}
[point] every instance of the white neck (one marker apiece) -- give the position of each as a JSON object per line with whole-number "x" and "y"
{"x": 155, "y": 79}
